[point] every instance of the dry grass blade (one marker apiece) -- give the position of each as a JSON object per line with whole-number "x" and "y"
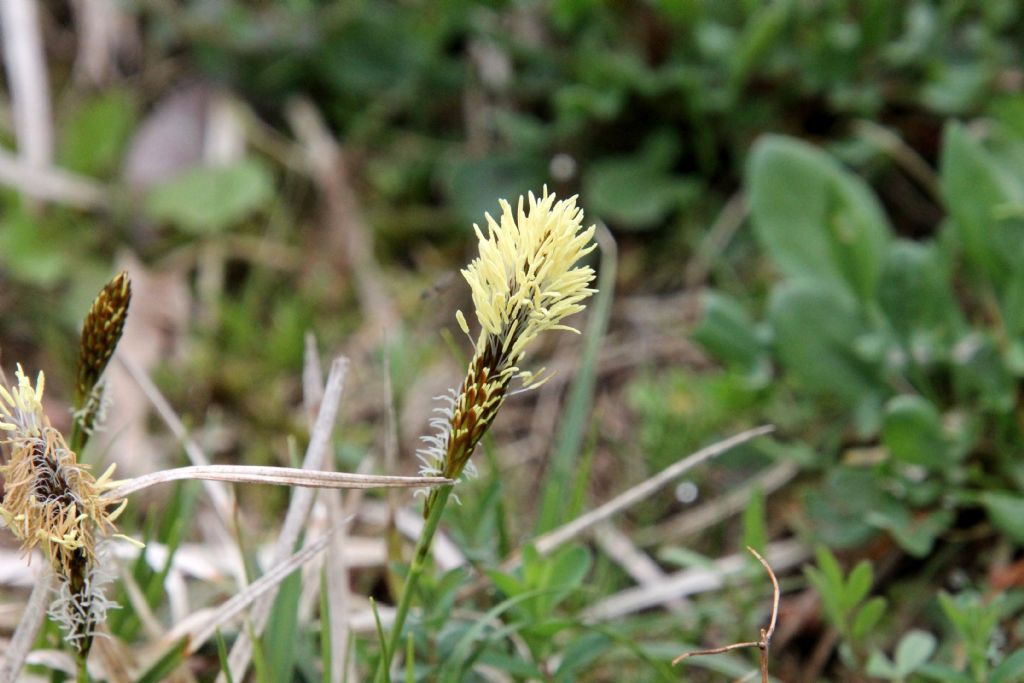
{"x": 282, "y": 476}
{"x": 219, "y": 494}
{"x": 764, "y": 642}
{"x": 269, "y": 581}
{"x": 619, "y": 548}
{"x": 50, "y": 184}
{"x": 565, "y": 533}
{"x": 312, "y": 380}
{"x": 782, "y": 555}
{"x": 719, "y": 508}
{"x": 28, "y": 627}
{"x": 350, "y": 235}
{"x": 27, "y": 77}
{"x": 298, "y": 511}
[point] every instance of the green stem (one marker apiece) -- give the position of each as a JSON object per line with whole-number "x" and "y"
{"x": 419, "y": 561}
{"x": 82, "y": 673}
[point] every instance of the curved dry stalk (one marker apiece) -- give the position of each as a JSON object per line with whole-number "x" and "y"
{"x": 282, "y": 476}
{"x": 762, "y": 643}
{"x": 782, "y": 555}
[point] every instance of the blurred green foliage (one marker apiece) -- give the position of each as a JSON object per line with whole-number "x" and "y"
{"x": 881, "y": 328}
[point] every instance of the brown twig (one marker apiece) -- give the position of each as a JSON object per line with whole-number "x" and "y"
{"x": 764, "y": 642}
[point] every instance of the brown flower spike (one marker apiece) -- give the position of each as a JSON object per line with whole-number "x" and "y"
{"x": 101, "y": 332}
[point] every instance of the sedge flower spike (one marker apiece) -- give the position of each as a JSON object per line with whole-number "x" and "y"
{"x": 53, "y": 502}
{"x": 526, "y": 280}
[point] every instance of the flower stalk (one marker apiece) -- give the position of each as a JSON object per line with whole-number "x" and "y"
{"x": 524, "y": 281}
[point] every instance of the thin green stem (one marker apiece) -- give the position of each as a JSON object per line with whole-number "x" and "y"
{"x": 419, "y": 561}
{"x": 82, "y": 673}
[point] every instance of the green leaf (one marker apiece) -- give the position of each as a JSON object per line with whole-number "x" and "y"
{"x": 761, "y": 33}
{"x": 815, "y": 329}
{"x": 868, "y": 617}
{"x": 1010, "y": 669}
{"x": 912, "y": 432}
{"x": 755, "y": 531}
{"x": 167, "y": 663}
{"x": 840, "y": 504}
{"x": 914, "y": 533}
{"x": 222, "y": 657}
{"x": 634, "y": 192}
{"x": 213, "y": 198}
{"x": 569, "y": 567}
{"x": 512, "y": 664}
{"x": 727, "y": 331}
{"x": 879, "y": 666}
{"x": 1012, "y": 301}
{"x": 914, "y": 649}
{"x": 506, "y": 583}
{"x": 580, "y": 653}
{"x": 1006, "y": 510}
{"x": 858, "y": 584}
{"x": 94, "y": 135}
{"x": 914, "y": 290}
{"x": 978, "y": 192}
{"x": 981, "y": 373}
{"x": 815, "y": 219}
{"x": 28, "y": 251}
{"x": 453, "y": 666}
{"x": 281, "y": 636}
{"x": 474, "y": 184}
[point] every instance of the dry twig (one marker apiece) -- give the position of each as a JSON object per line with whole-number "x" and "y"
{"x": 764, "y": 642}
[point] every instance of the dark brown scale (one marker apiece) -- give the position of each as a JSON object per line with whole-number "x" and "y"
{"x": 79, "y": 569}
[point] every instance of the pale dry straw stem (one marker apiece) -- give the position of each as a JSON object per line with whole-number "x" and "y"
{"x": 28, "y": 80}
{"x": 621, "y": 550}
{"x": 339, "y": 597}
{"x": 223, "y": 501}
{"x": 28, "y": 627}
{"x": 280, "y": 476}
{"x": 297, "y": 514}
{"x": 327, "y": 165}
{"x": 51, "y": 184}
{"x": 312, "y": 379}
{"x": 270, "y": 581}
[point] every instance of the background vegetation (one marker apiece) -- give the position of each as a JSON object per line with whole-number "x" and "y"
{"x": 819, "y": 215}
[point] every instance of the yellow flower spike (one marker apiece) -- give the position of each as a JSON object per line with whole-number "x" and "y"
{"x": 525, "y": 280}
